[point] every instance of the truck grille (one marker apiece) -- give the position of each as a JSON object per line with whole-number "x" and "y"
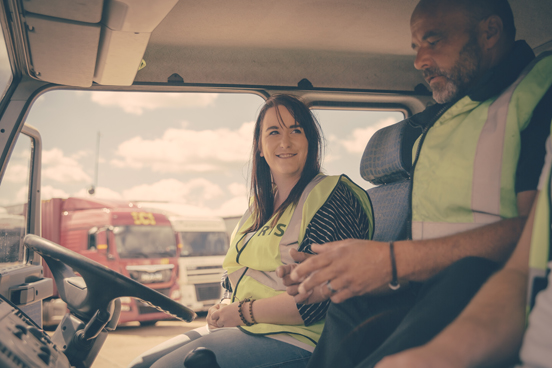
{"x": 208, "y": 291}
{"x": 144, "y": 308}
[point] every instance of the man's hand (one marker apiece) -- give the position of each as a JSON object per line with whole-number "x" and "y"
{"x": 285, "y": 270}
{"x": 223, "y": 315}
{"x": 353, "y": 267}
{"x": 318, "y": 294}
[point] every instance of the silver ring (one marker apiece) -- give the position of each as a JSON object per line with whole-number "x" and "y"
{"x": 330, "y": 288}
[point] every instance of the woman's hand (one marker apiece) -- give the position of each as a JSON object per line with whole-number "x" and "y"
{"x": 224, "y": 315}
{"x": 212, "y": 324}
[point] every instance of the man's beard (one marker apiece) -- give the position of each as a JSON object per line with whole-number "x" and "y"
{"x": 460, "y": 76}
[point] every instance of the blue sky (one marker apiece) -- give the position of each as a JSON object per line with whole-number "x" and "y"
{"x": 180, "y": 147}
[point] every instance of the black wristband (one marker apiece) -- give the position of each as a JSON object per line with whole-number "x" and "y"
{"x": 394, "y": 284}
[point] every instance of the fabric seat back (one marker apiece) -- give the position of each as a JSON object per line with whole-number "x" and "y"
{"x": 386, "y": 162}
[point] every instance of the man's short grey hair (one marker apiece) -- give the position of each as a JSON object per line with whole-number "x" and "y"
{"x": 479, "y": 10}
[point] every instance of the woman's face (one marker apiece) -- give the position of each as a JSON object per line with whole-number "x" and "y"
{"x": 283, "y": 145}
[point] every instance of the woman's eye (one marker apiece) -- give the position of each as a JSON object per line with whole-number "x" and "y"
{"x": 297, "y": 130}
{"x": 273, "y": 132}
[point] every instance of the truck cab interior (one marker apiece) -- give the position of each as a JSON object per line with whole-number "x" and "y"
{"x": 334, "y": 54}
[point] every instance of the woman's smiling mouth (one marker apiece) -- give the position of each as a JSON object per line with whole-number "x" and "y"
{"x": 286, "y": 155}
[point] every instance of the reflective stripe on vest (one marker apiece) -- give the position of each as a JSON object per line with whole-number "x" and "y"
{"x": 488, "y": 192}
{"x": 251, "y": 262}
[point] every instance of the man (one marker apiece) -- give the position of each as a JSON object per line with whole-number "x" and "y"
{"x": 467, "y": 53}
{"x": 489, "y": 331}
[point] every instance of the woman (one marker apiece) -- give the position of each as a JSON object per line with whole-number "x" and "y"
{"x": 292, "y": 206}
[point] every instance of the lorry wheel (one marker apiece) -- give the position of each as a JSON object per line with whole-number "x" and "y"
{"x": 96, "y": 286}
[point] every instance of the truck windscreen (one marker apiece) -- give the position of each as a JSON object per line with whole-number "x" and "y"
{"x": 197, "y": 244}
{"x": 145, "y": 241}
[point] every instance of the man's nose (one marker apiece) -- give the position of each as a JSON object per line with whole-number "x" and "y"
{"x": 423, "y": 59}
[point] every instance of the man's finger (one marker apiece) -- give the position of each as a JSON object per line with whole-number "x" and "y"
{"x": 302, "y": 298}
{"x": 310, "y": 265}
{"x": 321, "y": 276}
{"x": 288, "y": 281}
{"x": 322, "y": 248}
{"x": 284, "y": 270}
{"x": 342, "y": 295}
{"x": 292, "y": 289}
{"x": 298, "y": 256}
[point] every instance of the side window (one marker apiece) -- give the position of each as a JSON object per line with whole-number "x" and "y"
{"x": 14, "y": 196}
{"x": 347, "y": 133}
{"x": 5, "y": 67}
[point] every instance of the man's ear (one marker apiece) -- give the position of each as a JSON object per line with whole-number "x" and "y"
{"x": 491, "y": 31}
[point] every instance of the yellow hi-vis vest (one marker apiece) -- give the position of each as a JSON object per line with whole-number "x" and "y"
{"x": 251, "y": 262}
{"x": 465, "y": 174}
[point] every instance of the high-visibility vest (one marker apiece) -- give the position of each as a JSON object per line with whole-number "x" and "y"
{"x": 465, "y": 174}
{"x": 251, "y": 261}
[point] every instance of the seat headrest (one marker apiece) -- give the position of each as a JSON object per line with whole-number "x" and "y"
{"x": 388, "y": 155}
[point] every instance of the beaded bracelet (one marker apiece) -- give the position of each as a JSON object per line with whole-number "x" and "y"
{"x": 251, "y": 312}
{"x": 241, "y": 313}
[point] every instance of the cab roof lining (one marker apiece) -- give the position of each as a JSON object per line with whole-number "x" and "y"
{"x": 362, "y": 45}
{"x": 334, "y": 44}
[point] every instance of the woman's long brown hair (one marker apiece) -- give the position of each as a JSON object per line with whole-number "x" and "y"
{"x": 262, "y": 189}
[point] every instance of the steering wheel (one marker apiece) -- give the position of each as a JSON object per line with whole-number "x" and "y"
{"x": 101, "y": 285}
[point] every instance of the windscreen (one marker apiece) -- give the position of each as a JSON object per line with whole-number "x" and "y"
{"x": 197, "y": 244}
{"x": 145, "y": 241}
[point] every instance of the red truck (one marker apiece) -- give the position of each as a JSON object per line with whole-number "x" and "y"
{"x": 118, "y": 234}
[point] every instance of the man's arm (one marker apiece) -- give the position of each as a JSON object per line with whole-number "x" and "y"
{"x": 357, "y": 267}
{"x": 489, "y": 330}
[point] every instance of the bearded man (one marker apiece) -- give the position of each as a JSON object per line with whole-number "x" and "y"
{"x": 474, "y": 177}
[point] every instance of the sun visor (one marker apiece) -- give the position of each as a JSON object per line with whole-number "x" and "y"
{"x": 126, "y": 29}
{"x": 78, "y": 42}
{"x": 62, "y": 51}
{"x": 87, "y": 11}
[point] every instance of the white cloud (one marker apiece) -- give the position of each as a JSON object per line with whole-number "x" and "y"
{"x": 47, "y": 192}
{"x": 17, "y": 173}
{"x": 237, "y": 205}
{"x": 181, "y": 150}
{"x": 237, "y": 189}
{"x": 177, "y": 209}
{"x": 195, "y": 191}
{"x": 100, "y": 192}
{"x": 356, "y": 143}
{"x": 233, "y": 207}
{"x": 58, "y": 167}
{"x": 137, "y": 102}
{"x": 80, "y": 154}
{"x": 22, "y": 195}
